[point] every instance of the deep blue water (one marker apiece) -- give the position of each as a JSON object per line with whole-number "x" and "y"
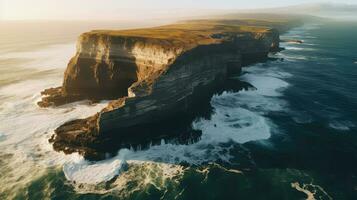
{"x": 318, "y": 128}
{"x": 295, "y": 137}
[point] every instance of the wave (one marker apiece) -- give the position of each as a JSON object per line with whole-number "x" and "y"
{"x": 237, "y": 124}
{"x": 341, "y": 125}
{"x": 19, "y": 110}
{"x": 52, "y": 57}
{"x": 25, "y": 128}
{"x": 301, "y": 117}
{"x": 309, "y": 37}
{"x": 299, "y": 48}
{"x": 309, "y": 44}
{"x": 238, "y": 118}
{"x": 84, "y": 172}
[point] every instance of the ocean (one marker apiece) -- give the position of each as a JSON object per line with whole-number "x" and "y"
{"x": 292, "y": 137}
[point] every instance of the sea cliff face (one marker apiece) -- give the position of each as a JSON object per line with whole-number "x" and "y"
{"x": 156, "y": 77}
{"x": 108, "y": 65}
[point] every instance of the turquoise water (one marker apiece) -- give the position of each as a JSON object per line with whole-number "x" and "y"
{"x": 292, "y": 138}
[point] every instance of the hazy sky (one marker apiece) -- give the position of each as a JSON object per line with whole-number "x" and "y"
{"x": 128, "y": 9}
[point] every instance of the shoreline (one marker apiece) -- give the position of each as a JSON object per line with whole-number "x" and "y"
{"x": 90, "y": 138}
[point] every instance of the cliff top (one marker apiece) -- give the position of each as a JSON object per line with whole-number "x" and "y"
{"x": 190, "y": 33}
{"x": 155, "y": 78}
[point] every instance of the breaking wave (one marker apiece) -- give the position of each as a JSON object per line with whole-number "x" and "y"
{"x": 52, "y": 57}
{"x": 341, "y": 125}
{"x": 238, "y": 118}
{"x": 25, "y": 128}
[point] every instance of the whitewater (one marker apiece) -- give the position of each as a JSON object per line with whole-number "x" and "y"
{"x": 238, "y": 118}
{"x": 26, "y": 128}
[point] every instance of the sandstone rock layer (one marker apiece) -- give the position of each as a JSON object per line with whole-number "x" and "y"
{"x": 154, "y": 76}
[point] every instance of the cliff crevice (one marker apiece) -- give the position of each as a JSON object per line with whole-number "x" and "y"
{"x": 157, "y": 78}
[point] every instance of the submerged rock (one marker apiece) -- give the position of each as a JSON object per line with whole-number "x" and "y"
{"x": 161, "y": 79}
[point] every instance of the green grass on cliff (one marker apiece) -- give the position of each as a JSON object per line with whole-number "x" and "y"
{"x": 190, "y": 33}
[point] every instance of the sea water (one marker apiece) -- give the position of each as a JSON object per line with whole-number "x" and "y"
{"x": 292, "y": 137}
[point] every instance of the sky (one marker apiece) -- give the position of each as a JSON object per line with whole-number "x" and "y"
{"x": 130, "y": 9}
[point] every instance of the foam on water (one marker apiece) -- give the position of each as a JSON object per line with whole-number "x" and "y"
{"x": 238, "y": 117}
{"x": 83, "y": 172}
{"x": 294, "y": 57}
{"x": 237, "y": 124}
{"x": 20, "y": 111}
{"x": 52, "y": 57}
{"x": 309, "y": 44}
{"x": 25, "y": 128}
{"x": 299, "y": 48}
{"x": 301, "y": 117}
{"x": 341, "y": 125}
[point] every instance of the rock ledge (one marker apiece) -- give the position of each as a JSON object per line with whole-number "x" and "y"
{"x": 159, "y": 79}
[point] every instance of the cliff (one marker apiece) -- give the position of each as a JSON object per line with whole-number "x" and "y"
{"x": 158, "y": 78}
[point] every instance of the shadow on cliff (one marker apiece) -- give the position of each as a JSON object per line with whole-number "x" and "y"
{"x": 176, "y": 129}
{"x": 106, "y": 77}
{"x": 82, "y": 135}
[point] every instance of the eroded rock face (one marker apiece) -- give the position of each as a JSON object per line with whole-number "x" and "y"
{"x": 106, "y": 65}
{"x": 158, "y": 82}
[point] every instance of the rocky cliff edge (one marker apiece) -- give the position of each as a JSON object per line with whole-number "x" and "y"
{"x": 156, "y": 78}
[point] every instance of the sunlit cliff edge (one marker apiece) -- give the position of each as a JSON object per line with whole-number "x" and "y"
{"x": 157, "y": 79}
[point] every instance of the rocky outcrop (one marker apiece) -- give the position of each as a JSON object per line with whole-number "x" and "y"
{"x": 160, "y": 78}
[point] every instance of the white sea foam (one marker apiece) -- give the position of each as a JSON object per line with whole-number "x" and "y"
{"x": 238, "y": 117}
{"x": 267, "y": 85}
{"x": 309, "y": 44}
{"x": 292, "y": 35}
{"x": 52, "y": 57}
{"x": 26, "y": 128}
{"x": 293, "y": 48}
{"x": 20, "y": 111}
{"x": 290, "y": 57}
{"x": 236, "y": 124}
{"x": 310, "y": 37}
{"x": 83, "y": 171}
{"x": 341, "y": 125}
{"x": 301, "y": 117}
